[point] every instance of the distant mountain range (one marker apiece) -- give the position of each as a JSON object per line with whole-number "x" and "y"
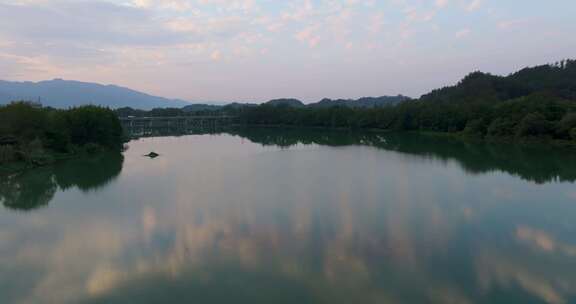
{"x": 60, "y": 93}
{"x": 365, "y": 102}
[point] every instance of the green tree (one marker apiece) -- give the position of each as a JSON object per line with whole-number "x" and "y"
{"x": 94, "y": 125}
{"x": 565, "y": 125}
{"x": 533, "y": 125}
{"x": 475, "y": 127}
{"x": 501, "y": 127}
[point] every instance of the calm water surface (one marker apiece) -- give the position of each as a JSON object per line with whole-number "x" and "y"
{"x": 270, "y": 216}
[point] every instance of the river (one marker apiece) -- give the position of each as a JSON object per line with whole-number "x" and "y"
{"x": 294, "y": 216}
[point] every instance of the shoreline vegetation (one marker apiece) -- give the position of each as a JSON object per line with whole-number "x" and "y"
{"x": 533, "y": 105}
{"x": 34, "y": 136}
{"x": 536, "y": 104}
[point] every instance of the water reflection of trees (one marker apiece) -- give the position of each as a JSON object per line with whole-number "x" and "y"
{"x": 34, "y": 189}
{"x": 28, "y": 191}
{"x": 535, "y": 163}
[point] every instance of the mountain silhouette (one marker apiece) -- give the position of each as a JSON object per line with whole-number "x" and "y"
{"x": 60, "y": 93}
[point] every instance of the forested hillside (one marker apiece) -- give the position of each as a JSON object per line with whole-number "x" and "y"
{"x": 534, "y": 103}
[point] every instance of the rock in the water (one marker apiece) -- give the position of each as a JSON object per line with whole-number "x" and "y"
{"x": 152, "y": 155}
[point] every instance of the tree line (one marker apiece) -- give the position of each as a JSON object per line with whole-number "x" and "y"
{"x": 34, "y": 134}
{"x": 534, "y": 103}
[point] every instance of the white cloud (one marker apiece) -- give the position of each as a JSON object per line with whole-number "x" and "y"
{"x": 463, "y": 33}
{"x": 376, "y": 23}
{"x": 216, "y": 55}
{"x": 309, "y": 35}
{"x": 232, "y": 5}
{"x": 300, "y": 11}
{"x": 441, "y": 3}
{"x": 177, "y": 5}
{"x": 507, "y": 24}
{"x": 414, "y": 14}
{"x": 474, "y": 5}
{"x": 142, "y": 3}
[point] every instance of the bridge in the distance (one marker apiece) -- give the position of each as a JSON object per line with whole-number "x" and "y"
{"x": 147, "y": 126}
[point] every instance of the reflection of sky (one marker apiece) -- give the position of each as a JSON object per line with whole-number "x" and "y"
{"x": 347, "y": 224}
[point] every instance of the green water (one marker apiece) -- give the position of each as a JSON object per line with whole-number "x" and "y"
{"x": 291, "y": 216}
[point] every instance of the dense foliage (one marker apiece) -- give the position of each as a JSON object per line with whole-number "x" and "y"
{"x": 31, "y": 133}
{"x": 534, "y": 103}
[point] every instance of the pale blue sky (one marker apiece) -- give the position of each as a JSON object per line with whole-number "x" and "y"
{"x": 254, "y": 50}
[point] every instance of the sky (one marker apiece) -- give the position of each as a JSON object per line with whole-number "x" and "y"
{"x": 256, "y": 50}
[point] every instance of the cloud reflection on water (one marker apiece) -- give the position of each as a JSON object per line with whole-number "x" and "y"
{"x": 329, "y": 225}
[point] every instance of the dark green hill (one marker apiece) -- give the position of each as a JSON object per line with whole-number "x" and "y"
{"x": 558, "y": 80}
